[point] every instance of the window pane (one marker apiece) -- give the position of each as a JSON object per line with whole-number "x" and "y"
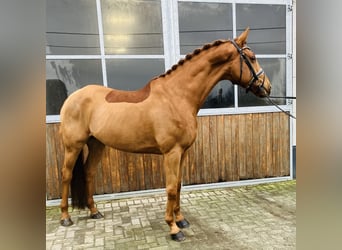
{"x": 132, "y": 27}
{"x": 276, "y": 72}
{"x": 128, "y": 74}
{"x": 267, "y": 24}
{"x": 65, "y": 76}
{"x": 71, "y": 28}
{"x": 221, "y": 96}
{"x": 201, "y": 23}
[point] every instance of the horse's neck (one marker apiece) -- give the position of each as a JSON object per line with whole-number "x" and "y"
{"x": 193, "y": 81}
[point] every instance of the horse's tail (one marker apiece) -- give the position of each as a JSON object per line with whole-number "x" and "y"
{"x": 78, "y": 184}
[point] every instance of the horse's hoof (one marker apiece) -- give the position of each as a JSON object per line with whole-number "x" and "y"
{"x": 66, "y": 222}
{"x": 178, "y": 236}
{"x": 97, "y": 215}
{"x": 183, "y": 223}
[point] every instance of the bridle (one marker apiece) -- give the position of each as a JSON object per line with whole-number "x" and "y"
{"x": 255, "y": 75}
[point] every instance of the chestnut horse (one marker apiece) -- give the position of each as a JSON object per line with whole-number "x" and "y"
{"x": 159, "y": 119}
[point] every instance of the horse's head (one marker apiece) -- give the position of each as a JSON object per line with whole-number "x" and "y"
{"x": 246, "y": 71}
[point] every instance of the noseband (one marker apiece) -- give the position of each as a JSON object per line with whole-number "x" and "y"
{"x": 255, "y": 76}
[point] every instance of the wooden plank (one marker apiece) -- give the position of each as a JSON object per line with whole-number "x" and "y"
{"x": 140, "y": 172}
{"x": 187, "y": 165}
{"x": 235, "y": 145}
{"x": 148, "y": 171}
{"x": 221, "y": 149}
{"x": 213, "y": 167}
{"x": 123, "y": 171}
{"x": 275, "y": 144}
{"x": 115, "y": 168}
{"x": 284, "y": 145}
{"x": 241, "y": 153}
{"x": 228, "y": 157}
{"x": 51, "y": 163}
{"x": 206, "y": 170}
{"x": 157, "y": 172}
{"x": 254, "y": 157}
{"x": 251, "y": 135}
{"x": 269, "y": 147}
{"x": 59, "y": 152}
{"x": 198, "y": 170}
{"x": 131, "y": 171}
{"x": 106, "y": 172}
{"x": 99, "y": 186}
{"x": 262, "y": 146}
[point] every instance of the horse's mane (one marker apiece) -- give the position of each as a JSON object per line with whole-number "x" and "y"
{"x": 191, "y": 55}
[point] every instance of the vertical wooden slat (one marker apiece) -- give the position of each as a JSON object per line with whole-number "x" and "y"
{"x": 269, "y": 142}
{"x": 206, "y": 150}
{"x": 139, "y": 159}
{"x": 99, "y": 185}
{"x": 106, "y": 172}
{"x": 254, "y": 157}
{"x": 221, "y": 148}
{"x": 131, "y": 172}
{"x": 59, "y": 152}
{"x": 51, "y": 162}
{"x": 241, "y": 154}
{"x": 197, "y": 171}
{"x": 235, "y": 141}
{"x": 262, "y": 146}
{"x": 251, "y": 151}
{"x": 214, "y": 173}
{"x": 123, "y": 171}
{"x": 284, "y": 144}
{"x": 156, "y": 171}
{"x": 275, "y": 144}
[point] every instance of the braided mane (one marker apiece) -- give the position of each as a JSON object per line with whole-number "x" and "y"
{"x": 191, "y": 55}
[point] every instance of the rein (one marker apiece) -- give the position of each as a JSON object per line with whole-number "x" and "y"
{"x": 255, "y": 77}
{"x": 278, "y": 107}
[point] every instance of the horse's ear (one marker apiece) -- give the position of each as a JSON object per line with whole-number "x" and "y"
{"x": 242, "y": 39}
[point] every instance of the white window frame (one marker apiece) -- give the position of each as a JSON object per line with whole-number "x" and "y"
{"x": 169, "y": 9}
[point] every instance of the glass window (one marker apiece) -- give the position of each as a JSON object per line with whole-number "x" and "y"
{"x": 201, "y": 23}
{"x": 65, "y": 76}
{"x": 276, "y": 72}
{"x": 128, "y": 74}
{"x": 267, "y": 24}
{"x": 72, "y": 28}
{"x": 132, "y": 27}
{"x": 221, "y": 96}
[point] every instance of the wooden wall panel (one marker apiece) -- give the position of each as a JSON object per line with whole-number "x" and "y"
{"x": 227, "y": 148}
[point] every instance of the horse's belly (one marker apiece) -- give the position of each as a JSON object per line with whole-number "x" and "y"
{"x": 129, "y": 140}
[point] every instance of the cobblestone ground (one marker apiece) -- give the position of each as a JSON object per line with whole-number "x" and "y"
{"x": 250, "y": 217}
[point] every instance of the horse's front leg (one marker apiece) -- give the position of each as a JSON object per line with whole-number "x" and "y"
{"x": 172, "y": 164}
{"x": 181, "y": 222}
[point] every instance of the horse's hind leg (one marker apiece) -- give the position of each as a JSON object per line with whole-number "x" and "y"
{"x": 70, "y": 157}
{"x": 95, "y": 153}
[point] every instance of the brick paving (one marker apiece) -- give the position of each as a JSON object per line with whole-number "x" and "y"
{"x": 250, "y": 217}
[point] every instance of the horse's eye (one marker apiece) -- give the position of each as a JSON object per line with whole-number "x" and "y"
{"x": 253, "y": 58}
